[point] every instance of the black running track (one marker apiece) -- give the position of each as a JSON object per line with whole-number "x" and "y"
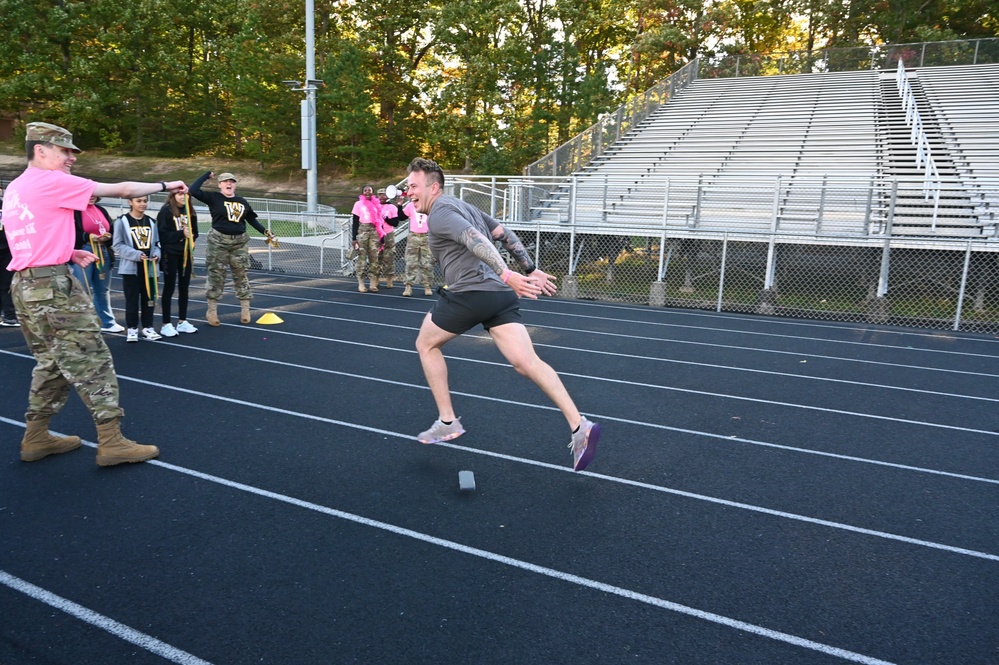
{"x": 766, "y": 491}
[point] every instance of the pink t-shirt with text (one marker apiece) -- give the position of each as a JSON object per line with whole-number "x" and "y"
{"x": 417, "y": 220}
{"x": 38, "y": 216}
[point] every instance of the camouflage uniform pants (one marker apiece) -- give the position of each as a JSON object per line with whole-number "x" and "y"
{"x": 386, "y": 258}
{"x": 419, "y": 261}
{"x": 227, "y": 252}
{"x": 61, "y": 328}
{"x": 367, "y": 255}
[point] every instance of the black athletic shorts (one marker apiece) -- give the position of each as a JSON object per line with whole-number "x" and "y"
{"x": 458, "y": 312}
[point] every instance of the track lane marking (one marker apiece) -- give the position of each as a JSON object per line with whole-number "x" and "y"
{"x": 119, "y": 630}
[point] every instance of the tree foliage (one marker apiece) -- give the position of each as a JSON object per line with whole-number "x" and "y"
{"x": 480, "y": 85}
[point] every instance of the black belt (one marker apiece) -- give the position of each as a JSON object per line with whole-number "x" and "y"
{"x": 45, "y": 271}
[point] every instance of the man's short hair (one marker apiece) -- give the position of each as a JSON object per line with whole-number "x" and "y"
{"x": 430, "y": 168}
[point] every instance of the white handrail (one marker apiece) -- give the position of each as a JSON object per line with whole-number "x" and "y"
{"x": 917, "y": 135}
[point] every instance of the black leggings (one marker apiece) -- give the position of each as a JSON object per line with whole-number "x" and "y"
{"x": 171, "y": 271}
{"x": 136, "y": 298}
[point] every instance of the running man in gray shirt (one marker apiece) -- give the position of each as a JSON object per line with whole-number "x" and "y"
{"x": 480, "y": 289}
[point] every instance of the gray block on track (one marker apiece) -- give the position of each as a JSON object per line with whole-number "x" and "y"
{"x": 466, "y": 481}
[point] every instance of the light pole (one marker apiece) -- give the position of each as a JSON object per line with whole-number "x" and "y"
{"x": 309, "y": 160}
{"x": 312, "y": 84}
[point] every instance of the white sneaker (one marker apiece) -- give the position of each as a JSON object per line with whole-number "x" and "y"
{"x": 133, "y": 335}
{"x": 186, "y": 327}
{"x": 113, "y": 328}
{"x": 150, "y": 334}
{"x": 167, "y": 330}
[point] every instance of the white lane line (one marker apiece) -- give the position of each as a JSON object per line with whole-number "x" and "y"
{"x": 508, "y": 561}
{"x": 778, "y": 322}
{"x": 680, "y": 313}
{"x": 824, "y": 340}
{"x": 545, "y": 407}
{"x": 751, "y": 370}
{"x": 690, "y": 391}
{"x": 565, "y": 469}
{"x": 791, "y": 375}
{"x": 531, "y": 405}
{"x": 120, "y": 630}
{"x": 666, "y": 428}
{"x": 677, "y": 325}
{"x": 795, "y": 354}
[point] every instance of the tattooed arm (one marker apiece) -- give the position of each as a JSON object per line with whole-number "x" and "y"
{"x": 544, "y": 282}
{"x": 512, "y": 244}
{"x": 523, "y": 285}
{"x": 483, "y": 249}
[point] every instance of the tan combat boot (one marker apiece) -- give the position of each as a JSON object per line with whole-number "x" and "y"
{"x": 360, "y": 285}
{"x": 113, "y": 448}
{"x": 244, "y": 311}
{"x": 213, "y": 313}
{"x": 38, "y": 442}
{"x": 389, "y": 283}
{"x": 408, "y": 291}
{"x": 373, "y": 284}
{"x": 427, "y": 291}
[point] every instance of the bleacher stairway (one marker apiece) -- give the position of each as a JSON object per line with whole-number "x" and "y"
{"x": 807, "y": 153}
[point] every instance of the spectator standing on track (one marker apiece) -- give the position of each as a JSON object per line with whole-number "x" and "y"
{"x": 96, "y": 226}
{"x": 391, "y": 216}
{"x": 479, "y": 288}
{"x": 228, "y": 243}
{"x": 136, "y": 246}
{"x": 367, "y": 231}
{"x": 8, "y": 315}
{"x": 57, "y": 317}
{"x": 177, "y": 236}
{"x": 419, "y": 260}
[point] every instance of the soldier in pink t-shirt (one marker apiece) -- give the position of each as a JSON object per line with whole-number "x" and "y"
{"x": 57, "y": 316}
{"x": 419, "y": 260}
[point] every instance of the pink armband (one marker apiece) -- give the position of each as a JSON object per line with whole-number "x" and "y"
{"x": 506, "y": 275}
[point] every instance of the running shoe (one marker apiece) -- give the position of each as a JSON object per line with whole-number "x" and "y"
{"x": 167, "y": 330}
{"x": 584, "y": 444}
{"x": 132, "y": 335}
{"x": 186, "y": 327}
{"x": 9, "y": 323}
{"x": 113, "y": 328}
{"x": 150, "y": 334}
{"x": 440, "y": 432}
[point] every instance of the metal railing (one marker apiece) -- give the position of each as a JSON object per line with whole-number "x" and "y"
{"x": 859, "y": 58}
{"x": 864, "y": 255}
{"x": 579, "y": 151}
{"x": 875, "y": 274}
{"x": 817, "y": 205}
{"x": 924, "y": 155}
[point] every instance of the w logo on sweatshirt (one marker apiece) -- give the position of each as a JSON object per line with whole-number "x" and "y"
{"x": 234, "y": 210}
{"x": 142, "y": 237}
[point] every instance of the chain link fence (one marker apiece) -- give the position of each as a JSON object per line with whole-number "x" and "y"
{"x": 945, "y": 282}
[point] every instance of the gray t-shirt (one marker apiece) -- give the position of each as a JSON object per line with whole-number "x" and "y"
{"x": 463, "y": 271}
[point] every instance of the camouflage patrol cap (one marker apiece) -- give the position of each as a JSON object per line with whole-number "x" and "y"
{"x": 380, "y": 191}
{"x": 227, "y": 176}
{"x": 46, "y": 133}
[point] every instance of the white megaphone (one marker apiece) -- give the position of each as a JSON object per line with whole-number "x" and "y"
{"x": 391, "y": 192}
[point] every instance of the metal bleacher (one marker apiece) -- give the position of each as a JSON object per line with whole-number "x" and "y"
{"x": 967, "y": 113}
{"x": 816, "y": 153}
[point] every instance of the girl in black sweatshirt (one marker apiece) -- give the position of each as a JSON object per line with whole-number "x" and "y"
{"x": 175, "y": 228}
